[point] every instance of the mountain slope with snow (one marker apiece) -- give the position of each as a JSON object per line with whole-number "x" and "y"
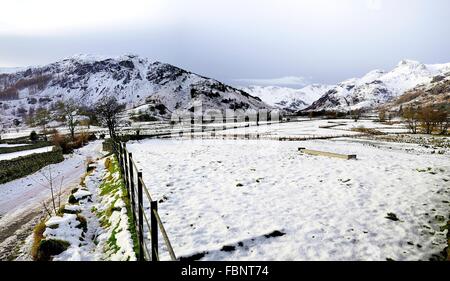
{"x": 131, "y": 79}
{"x": 288, "y": 98}
{"x": 377, "y": 87}
{"x": 436, "y": 93}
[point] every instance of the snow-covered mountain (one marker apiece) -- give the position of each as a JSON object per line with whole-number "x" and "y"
{"x": 377, "y": 87}
{"x": 288, "y": 98}
{"x": 131, "y": 79}
{"x": 435, "y": 93}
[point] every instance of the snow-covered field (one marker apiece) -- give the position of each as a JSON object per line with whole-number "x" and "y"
{"x": 247, "y": 193}
{"x": 9, "y": 156}
{"x": 304, "y": 128}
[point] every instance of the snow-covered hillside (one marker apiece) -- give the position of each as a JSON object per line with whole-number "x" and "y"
{"x": 288, "y": 98}
{"x": 435, "y": 93}
{"x": 132, "y": 79}
{"x": 378, "y": 86}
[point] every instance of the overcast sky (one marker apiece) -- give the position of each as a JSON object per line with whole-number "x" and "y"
{"x": 284, "y": 42}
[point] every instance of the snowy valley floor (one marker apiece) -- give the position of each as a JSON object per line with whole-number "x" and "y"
{"x": 263, "y": 200}
{"x": 247, "y": 199}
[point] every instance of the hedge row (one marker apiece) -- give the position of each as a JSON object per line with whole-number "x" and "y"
{"x": 24, "y": 147}
{"x": 19, "y": 140}
{"x": 26, "y": 165}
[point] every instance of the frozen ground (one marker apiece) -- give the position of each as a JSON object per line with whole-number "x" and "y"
{"x": 9, "y": 156}
{"x": 245, "y": 194}
{"x": 21, "y": 200}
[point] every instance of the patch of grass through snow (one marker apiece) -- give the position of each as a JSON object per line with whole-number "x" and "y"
{"x": 113, "y": 186}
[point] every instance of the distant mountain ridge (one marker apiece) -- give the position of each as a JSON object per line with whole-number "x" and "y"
{"x": 377, "y": 87}
{"x": 288, "y": 99}
{"x": 133, "y": 80}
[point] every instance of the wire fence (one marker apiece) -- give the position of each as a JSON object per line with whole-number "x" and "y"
{"x": 146, "y": 218}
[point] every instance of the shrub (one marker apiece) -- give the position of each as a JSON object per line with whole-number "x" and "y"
{"x": 61, "y": 141}
{"x": 369, "y": 131}
{"x": 50, "y": 247}
{"x": 72, "y": 199}
{"x": 38, "y": 235}
{"x": 92, "y": 137}
{"x": 382, "y": 115}
{"x": 81, "y": 139}
{"x": 24, "y": 147}
{"x": 34, "y": 136}
{"x": 67, "y": 144}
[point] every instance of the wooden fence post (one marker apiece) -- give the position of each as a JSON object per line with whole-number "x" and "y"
{"x": 154, "y": 226}
{"x": 203, "y": 128}
{"x": 125, "y": 172}
{"x": 122, "y": 167}
{"x": 119, "y": 154}
{"x": 224, "y": 122}
{"x": 131, "y": 167}
{"x": 140, "y": 218}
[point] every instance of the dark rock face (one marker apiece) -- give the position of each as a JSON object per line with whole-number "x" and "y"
{"x": 164, "y": 73}
{"x": 327, "y": 99}
{"x": 127, "y": 64}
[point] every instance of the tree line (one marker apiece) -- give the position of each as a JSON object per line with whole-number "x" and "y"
{"x": 426, "y": 119}
{"x": 103, "y": 113}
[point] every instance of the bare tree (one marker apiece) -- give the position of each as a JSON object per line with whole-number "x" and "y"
{"x": 91, "y": 116}
{"x": 356, "y": 114}
{"x": 429, "y": 118}
{"x": 108, "y": 110}
{"x": 443, "y": 122}
{"x": 382, "y": 115}
{"x": 29, "y": 117}
{"x": 69, "y": 111}
{"x": 55, "y": 191}
{"x": 42, "y": 117}
{"x": 411, "y": 117}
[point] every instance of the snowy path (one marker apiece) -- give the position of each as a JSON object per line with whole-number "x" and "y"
{"x": 217, "y": 193}
{"x": 21, "y": 199}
